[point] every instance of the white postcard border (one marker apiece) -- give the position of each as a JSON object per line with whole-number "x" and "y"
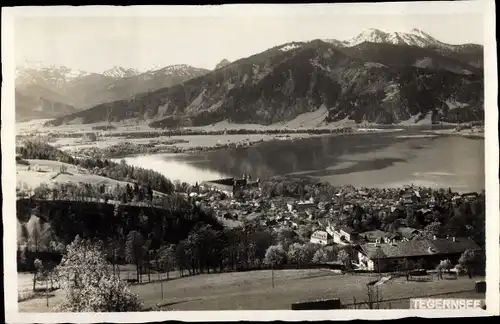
{"x": 8, "y": 152}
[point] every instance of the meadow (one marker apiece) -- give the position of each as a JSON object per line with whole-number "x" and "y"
{"x": 254, "y": 290}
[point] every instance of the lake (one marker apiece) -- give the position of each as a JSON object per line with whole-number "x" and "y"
{"x": 371, "y": 160}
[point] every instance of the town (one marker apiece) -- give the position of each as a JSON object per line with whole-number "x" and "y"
{"x": 349, "y": 218}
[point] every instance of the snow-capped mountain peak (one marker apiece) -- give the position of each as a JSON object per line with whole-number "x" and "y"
{"x": 371, "y": 35}
{"x": 48, "y": 75}
{"x": 415, "y": 37}
{"x": 180, "y": 70}
{"x": 420, "y": 33}
{"x": 289, "y": 47}
{"x": 120, "y": 72}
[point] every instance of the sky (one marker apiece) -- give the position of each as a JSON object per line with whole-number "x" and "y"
{"x": 95, "y": 44}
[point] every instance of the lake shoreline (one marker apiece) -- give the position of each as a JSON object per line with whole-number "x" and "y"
{"x": 472, "y": 133}
{"x": 180, "y": 146}
{"x": 388, "y": 160}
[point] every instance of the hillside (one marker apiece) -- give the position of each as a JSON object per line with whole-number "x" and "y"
{"x": 49, "y": 172}
{"x": 373, "y": 82}
{"x": 406, "y": 56}
{"x": 127, "y": 87}
{"x": 222, "y": 64}
{"x": 37, "y": 107}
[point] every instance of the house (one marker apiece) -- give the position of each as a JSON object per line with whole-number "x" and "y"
{"x": 305, "y": 205}
{"x": 280, "y": 204}
{"x": 348, "y": 233}
{"x": 379, "y": 236}
{"x": 229, "y": 186}
{"x": 470, "y": 195}
{"x": 386, "y": 256}
{"x": 321, "y": 237}
{"x": 424, "y": 211}
{"x": 456, "y": 200}
{"x": 343, "y": 235}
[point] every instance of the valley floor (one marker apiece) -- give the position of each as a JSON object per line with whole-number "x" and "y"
{"x": 291, "y": 130}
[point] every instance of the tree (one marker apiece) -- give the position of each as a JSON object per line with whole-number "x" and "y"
{"x": 38, "y": 272}
{"x": 444, "y": 265}
{"x": 89, "y": 283}
{"x": 406, "y": 266}
{"x": 468, "y": 260}
{"x": 148, "y": 256}
{"x": 373, "y": 297}
{"x": 275, "y": 255}
{"x": 167, "y": 258}
{"x": 460, "y": 269}
{"x": 320, "y": 256}
{"x": 129, "y": 192}
{"x": 296, "y": 254}
{"x": 134, "y": 251}
{"x": 181, "y": 257}
{"x": 23, "y": 234}
{"x": 262, "y": 241}
{"x": 150, "y": 192}
{"x": 113, "y": 250}
{"x": 304, "y": 231}
{"x": 284, "y": 236}
{"x": 35, "y": 235}
{"x": 344, "y": 257}
{"x": 433, "y": 229}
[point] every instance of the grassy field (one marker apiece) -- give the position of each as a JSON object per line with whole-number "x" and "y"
{"x": 28, "y": 177}
{"x": 49, "y": 172}
{"x": 254, "y": 291}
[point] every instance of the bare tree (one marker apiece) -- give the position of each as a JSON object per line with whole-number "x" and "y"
{"x": 134, "y": 251}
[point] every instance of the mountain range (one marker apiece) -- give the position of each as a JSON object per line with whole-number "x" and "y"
{"x": 375, "y": 77}
{"x": 82, "y": 90}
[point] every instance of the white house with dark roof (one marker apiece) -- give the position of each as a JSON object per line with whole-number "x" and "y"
{"x": 321, "y": 237}
{"x": 342, "y": 235}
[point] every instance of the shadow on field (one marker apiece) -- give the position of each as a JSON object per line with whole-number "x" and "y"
{"x": 319, "y": 275}
{"x": 133, "y": 282}
{"x": 420, "y": 279}
{"x": 178, "y": 302}
{"x": 450, "y": 278}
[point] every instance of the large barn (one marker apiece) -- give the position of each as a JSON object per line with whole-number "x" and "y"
{"x": 386, "y": 256}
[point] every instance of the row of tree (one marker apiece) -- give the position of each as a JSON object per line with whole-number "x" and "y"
{"x": 207, "y": 249}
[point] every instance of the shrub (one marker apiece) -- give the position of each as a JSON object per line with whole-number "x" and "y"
{"x": 90, "y": 284}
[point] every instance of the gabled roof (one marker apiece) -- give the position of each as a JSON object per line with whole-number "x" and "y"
{"x": 407, "y": 232}
{"x": 348, "y": 230}
{"x": 425, "y": 210}
{"x": 418, "y": 248}
{"x": 321, "y": 234}
{"x": 376, "y": 234}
